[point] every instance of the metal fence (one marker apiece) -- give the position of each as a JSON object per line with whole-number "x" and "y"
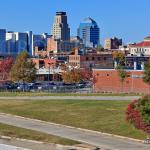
{"x": 113, "y": 89}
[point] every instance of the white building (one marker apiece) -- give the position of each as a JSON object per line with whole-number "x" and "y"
{"x": 142, "y": 48}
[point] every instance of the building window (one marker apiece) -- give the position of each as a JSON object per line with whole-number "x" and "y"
{"x": 105, "y": 58}
{"x": 99, "y": 58}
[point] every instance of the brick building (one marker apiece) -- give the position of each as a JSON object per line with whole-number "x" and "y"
{"x": 112, "y": 43}
{"x": 107, "y": 80}
{"x": 47, "y": 69}
{"x": 92, "y": 60}
{"x": 58, "y": 46}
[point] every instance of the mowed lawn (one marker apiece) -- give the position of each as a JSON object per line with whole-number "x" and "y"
{"x": 104, "y": 116}
{"x": 10, "y": 94}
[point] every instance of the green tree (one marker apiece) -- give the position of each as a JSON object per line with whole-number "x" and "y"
{"x": 146, "y": 77}
{"x": 147, "y": 73}
{"x": 23, "y": 69}
{"x": 122, "y": 74}
{"x": 144, "y": 107}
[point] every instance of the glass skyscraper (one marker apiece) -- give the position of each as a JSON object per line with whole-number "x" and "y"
{"x": 89, "y": 32}
{"x": 2, "y": 41}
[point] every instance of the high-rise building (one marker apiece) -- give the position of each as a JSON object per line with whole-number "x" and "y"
{"x": 21, "y": 42}
{"x": 40, "y": 40}
{"x": 89, "y": 32}
{"x": 30, "y": 43}
{"x": 18, "y": 42}
{"x": 61, "y": 28}
{"x": 2, "y": 41}
{"x": 10, "y": 43}
{"x": 112, "y": 43}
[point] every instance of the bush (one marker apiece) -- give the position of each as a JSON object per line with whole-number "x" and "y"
{"x": 138, "y": 114}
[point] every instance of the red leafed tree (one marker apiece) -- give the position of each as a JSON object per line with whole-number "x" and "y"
{"x": 5, "y": 67}
{"x": 87, "y": 75}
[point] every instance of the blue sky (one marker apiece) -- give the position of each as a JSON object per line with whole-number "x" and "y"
{"x": 127, "y": 19}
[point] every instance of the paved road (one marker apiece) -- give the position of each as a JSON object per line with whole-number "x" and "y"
{"x": 9, "y": 147}
{"x": 97, "y": 139}
{"x": 21, "y": 144}
{"x": 71, "y": 97}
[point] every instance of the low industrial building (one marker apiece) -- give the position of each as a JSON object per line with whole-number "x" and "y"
{"x": 107, "y": 80}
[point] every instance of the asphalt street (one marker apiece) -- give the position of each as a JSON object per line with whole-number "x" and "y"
{"x": 100, "y": 140}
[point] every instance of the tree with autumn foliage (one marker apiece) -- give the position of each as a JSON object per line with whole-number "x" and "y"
{"x": 78, "y": 75}
{"x": 71, "y": 76}
{"x": 5, "y": 68}
{"x": 87, "y": 75}
{"x": 119, "y": 57}
{"x": 23, "y": 69}
{"x": 123, "y": 74}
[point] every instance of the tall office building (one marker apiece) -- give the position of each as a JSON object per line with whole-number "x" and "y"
{"x": 2, "y": 41}
{"x": 40, "y": 40}
{"x": 89, "y": 32}
{"x": 10, "y": 43}
{"x": 61, "y": 28}
{"x": 30, "y": 43}
{"x": 21, "y": 42}
{"x": 18, "y": 42}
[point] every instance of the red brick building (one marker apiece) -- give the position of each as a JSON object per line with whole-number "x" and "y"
{"x": 107, "y": 80}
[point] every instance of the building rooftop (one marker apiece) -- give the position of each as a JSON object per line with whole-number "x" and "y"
{"x": 141, "y": 44}
{"x": 89, "y": 20}
{"x": 61, "y": 13}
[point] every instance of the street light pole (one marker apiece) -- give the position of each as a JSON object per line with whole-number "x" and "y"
{"x": 49, "y": 72}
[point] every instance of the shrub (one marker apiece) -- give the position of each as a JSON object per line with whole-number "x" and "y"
{"x": 138, "y": 114}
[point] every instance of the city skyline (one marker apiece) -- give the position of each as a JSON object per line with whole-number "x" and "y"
{"x": 112, "y": 17}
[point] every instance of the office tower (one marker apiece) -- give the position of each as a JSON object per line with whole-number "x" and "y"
{"x": 61, "y": 28}
{"x": 16, "y": 42}
{"x": 2, "y": 41}
{"x": 10, "y": 43}
{"x": 112, "y": 43}
{"x": 21, "y": 42}
{"x": 30, "y": 43}
{"x": 89, "y": 32}
{"x": 40, "y": 40}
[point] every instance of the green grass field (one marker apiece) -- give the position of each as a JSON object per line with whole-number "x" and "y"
{"x": 7, "y": 94}
{"x": 104, "y": 116}
{"x": 12, "y": 131}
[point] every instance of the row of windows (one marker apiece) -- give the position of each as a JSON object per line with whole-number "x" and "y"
{"x": 140, "y": 50}
{"x": 97, "y": 58}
